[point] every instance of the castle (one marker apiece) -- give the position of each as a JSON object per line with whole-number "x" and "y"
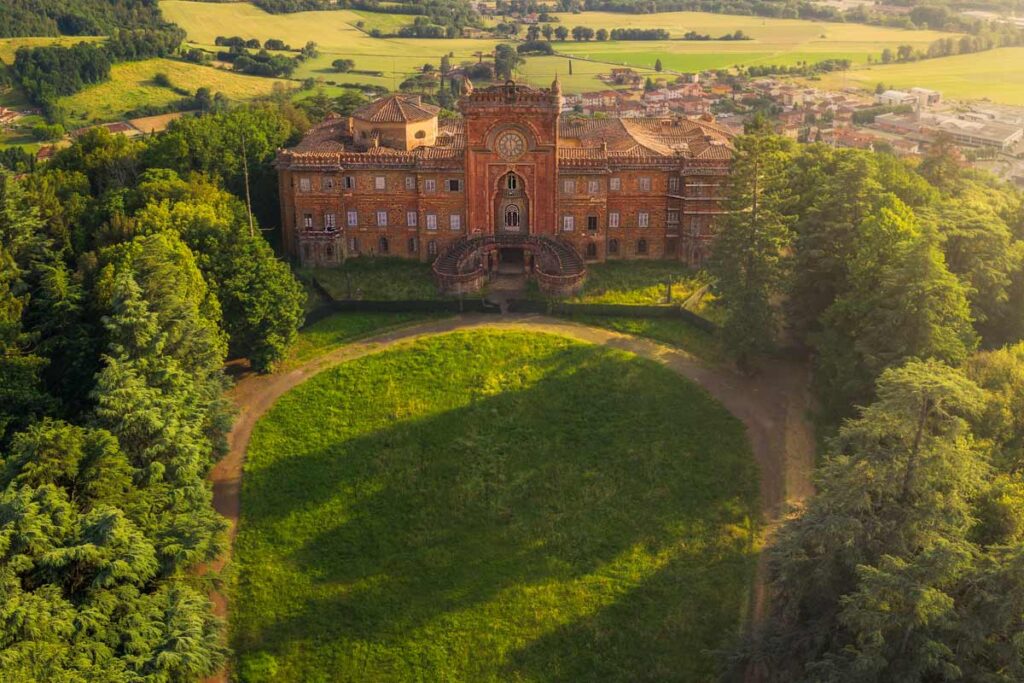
{"x": 511, "y": 181}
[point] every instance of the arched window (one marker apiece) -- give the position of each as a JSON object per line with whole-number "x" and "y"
{"x": 591, "y": 250}
{"x": 641, "y": 246}
{"x": 512, "y": 216}
{"x": 382, "y": 245}
{"x": 512, "y": 181}
{"x": 613, "y": 246}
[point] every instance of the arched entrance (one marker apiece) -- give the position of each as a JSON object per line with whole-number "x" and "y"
{"x": 511, "y": 214}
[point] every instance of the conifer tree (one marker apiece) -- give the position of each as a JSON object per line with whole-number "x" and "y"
{"x": 748, "y": 259}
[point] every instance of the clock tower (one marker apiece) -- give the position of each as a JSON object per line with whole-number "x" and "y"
{"x": 511, "y": 158}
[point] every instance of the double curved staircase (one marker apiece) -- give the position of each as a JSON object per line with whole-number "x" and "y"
{"x": 557, "y": 266}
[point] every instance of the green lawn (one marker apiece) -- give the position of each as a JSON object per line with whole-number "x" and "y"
{"x": 376, "y": 278}
{"x": 493, "y": 506}
{"x": 672, "y": 331}
{"x": 341, "y": 328}
{"x": 638, "y": 282}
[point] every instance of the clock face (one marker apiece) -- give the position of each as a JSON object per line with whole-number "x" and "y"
{"x": 510, "y": 145}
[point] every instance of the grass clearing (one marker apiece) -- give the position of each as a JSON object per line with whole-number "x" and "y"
{"x": 672, "y": 331}
{"x": 342, "y": 328}
{"x": 995, "y": 74}
{"x": 131, "y": 86}
{"x": 638, "y": 282}
{"x": 494, "y": 506}
{"x": 9, "y": 46}
{"x": 376, "y": 278}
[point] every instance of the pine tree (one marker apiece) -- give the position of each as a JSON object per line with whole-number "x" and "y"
{"x": 748, "y": 259}
{"x": 882, "y": 542}
{"x": 901, "y": 303}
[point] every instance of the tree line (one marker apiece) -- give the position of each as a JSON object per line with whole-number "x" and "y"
{"x": 75, "y": 17}
{"x": 890, "y": 275}
{"x": 128, "y": 274}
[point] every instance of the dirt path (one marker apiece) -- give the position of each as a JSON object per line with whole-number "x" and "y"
{"x": 772, "y": 406}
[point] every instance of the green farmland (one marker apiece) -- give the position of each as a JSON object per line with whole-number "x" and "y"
{"x": 775, "y": 41}
{"x": 996, "y": 74}
{"x": 491, "y": 506}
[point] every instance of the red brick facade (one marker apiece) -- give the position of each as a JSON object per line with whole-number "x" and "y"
{"x": 613, "y": 188}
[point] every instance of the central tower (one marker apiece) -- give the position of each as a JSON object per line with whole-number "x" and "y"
{"x": 511, "y": 158}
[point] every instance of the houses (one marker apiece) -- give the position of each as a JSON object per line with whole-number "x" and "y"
{"x": 971, "y": 133}
{"x": 8, "y": 116}
{"x": 896, "y": 98}
{"x": 625, "y": 76}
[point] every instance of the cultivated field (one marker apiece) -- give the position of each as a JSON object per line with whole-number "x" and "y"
{"x": 493, "y": 506}
{"x": 776, "y": 41}
{"x": 996, "y": 74}
{"x": 131, "y": 86}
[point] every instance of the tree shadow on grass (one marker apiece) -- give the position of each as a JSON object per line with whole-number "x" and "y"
{"x": 425, "y": 519}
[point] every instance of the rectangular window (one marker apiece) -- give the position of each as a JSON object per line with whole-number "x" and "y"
{"x": 673, "y": 217}
{"x": 592, "y": 223}
{"x": 303, "y": 184}
{"x": 432, "y": 248}
{"x": 673, "y": 183}
{"x": 593, "y": 186}
{"x": 413, "y": 246}
{"x": 380, "y": 182}
{"x": 382, "y": 219}
{"x": 410, "y": 182}
{"x": 307, "y": 221}
{"x": 352, "y": 219}
{"x": 615, "y": 184}
{"x": 642, "y": 219}
{"x": 455, "y": 221}
{"x": 330, "y": 221}
{"x": 568, "y": 223}
{"x": 431, "y": 221}
{"x": 429, "y": 185}
{"x": 410, "y": 218}
{"x": 453, "y": 184}
{"x": 353, "y": 245}
{"x": 613, "y": 219}
{"x": 645, "y": 184}
{"x": 568, "y": 186}
{"x": 349, "y": 182}
{"x": 328, "y": 183}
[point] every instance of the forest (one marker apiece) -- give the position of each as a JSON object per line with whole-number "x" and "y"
{"x": 129, "y": 273}
{"x": 75, "y": 17}
{"x": 902, "y": 283}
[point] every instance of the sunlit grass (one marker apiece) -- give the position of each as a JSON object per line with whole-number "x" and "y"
{"x": 494, "y": 506}
{"x": 639, "y": 282}
{"x": 131, "y": 86}
{"x": 340, "y": 329}
{"x": 376, "y": 278}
